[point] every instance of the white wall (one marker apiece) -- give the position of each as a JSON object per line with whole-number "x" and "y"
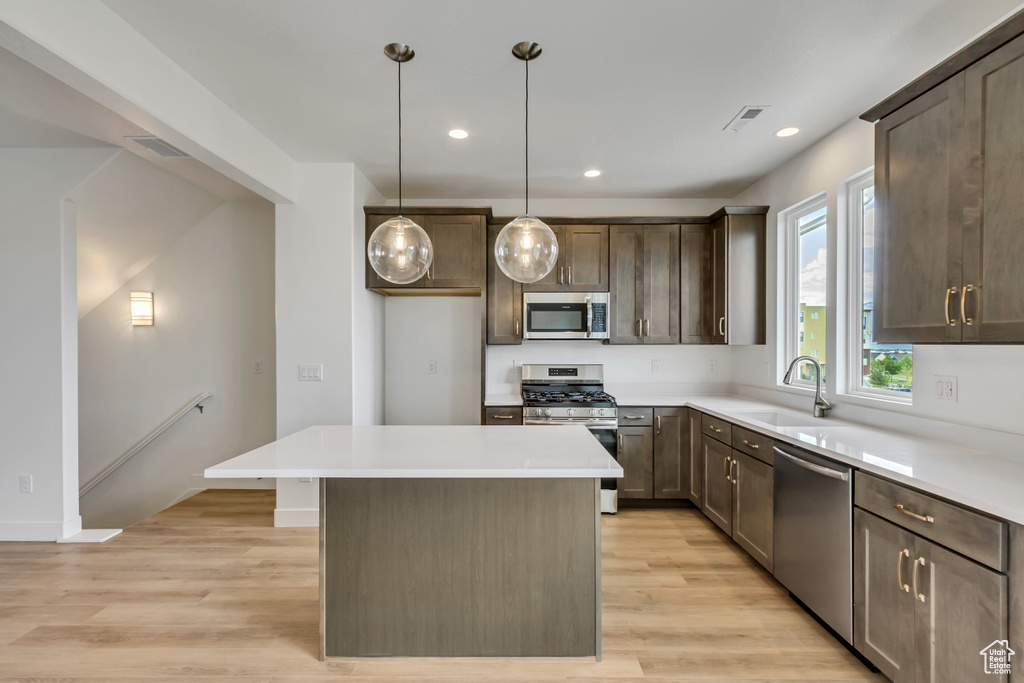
{"x": 213, "y": 292}
{"x": 443, "y": 330}
{"x": 38, "y": 346}
{"x": 990, "y": 378}
{"x": 367, "y": 317}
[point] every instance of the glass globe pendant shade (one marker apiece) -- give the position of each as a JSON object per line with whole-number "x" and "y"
{"x": 526, "y": 249}
{"x": 400, "y": 251}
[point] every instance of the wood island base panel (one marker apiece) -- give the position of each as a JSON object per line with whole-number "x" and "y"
{"x": 460, "y": 567}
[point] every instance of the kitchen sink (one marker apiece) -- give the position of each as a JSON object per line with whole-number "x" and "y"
{"x": 780, "y": 419}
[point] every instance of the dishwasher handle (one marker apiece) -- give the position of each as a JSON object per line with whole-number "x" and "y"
{"x": 826, "y": 471}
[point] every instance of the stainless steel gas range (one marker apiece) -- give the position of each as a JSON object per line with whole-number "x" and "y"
{"x": 573, "y": 395}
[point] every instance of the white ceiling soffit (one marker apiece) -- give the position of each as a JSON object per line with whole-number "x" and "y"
{"x": 129, "y": 213}
{"x": 37, "y": 110}
{"x": 640, "y": 89}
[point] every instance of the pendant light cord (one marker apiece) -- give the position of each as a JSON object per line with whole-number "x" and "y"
{"x": 527, "y": 193}
{"x": 399, "y": 137}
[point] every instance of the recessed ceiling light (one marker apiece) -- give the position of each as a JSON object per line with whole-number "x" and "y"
{"x": 592, "y": 173}
{"x": 458, "y": 134}
{"x": 786, "y": 132}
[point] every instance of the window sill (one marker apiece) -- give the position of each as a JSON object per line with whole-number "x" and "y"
{"x": 876, "y": 400}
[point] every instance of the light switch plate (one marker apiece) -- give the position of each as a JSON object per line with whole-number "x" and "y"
{"x": 311, "y": 373}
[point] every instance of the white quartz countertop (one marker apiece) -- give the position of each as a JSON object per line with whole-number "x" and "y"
{"x": 983, "y": 481}
{"x": 399, "y": 451}
{"x": 497, "y": 400}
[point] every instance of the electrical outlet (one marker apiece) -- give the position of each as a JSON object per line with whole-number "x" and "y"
{"x": 25, "y": 483}
{"x": 257, "y": 367}
{"x": 431, "y": 367}
{"x": 945, "y": 388}
{"x": 712, "y": 365}
{"x": 655, "y": 366}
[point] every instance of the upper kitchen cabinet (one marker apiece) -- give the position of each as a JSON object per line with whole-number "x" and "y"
{"x": 949, "y": 164}
{"x": 737, "y": 279}
{"x": 504, "y": 299}
{"x": 695, "y": 283}
{"x": 582, "y": 261}
{"x": 644, "y": 276}
{"x": 457, "y": 235}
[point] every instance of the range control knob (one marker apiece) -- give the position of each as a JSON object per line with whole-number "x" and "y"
{"x": 601, "y": 412}
{"x": 569, "y": 412}
{"x": 547, "y": 411}
{"x": 593, "y": 412}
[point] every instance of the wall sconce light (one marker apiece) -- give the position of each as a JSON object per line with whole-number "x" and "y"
{"x": 142, "y": 308}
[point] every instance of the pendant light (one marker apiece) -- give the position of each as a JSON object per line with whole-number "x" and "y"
{"x": 526, "y": 249}
{"x": 399, "y": 250}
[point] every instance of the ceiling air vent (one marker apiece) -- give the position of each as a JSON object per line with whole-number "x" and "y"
{"x": 746, "y": 115}
{"x": 161, "y": 147}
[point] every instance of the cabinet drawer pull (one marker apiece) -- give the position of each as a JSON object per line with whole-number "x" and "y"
{"x": 517, "y": 328}
{"x": 620, "y": 444}
{"x": 726, "y": 467}
{"x": 715, "y": 429}
{"x": 658, "y": 421}
{"x": 721, "y": 326}
{"x": 639, "y": 328}
{"x": 950, "y": 320}
{"x": 561, "y": 275}
{"x": 919, "y": 562}
{"x": 632, "y": 417}
{"x": 908, "y": 513}
{"x": 899, "y": 570}
{"x": 732, "y": 471}
{"x": 752, "y": 445}
{"x": 647, "y": 322}
{"x": 963, "y": 306}
{"x": 502, "y": 417}
{"x": 569, "y": 273}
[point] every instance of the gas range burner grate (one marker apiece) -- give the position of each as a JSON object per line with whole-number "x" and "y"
{"x": 579, "y": 397}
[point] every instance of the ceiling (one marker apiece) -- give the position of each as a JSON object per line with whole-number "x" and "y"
{"x": 640, "y": 89}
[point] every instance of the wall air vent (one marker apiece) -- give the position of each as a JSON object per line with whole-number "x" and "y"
{"x": 161, "y": 147}
{"x": 746, "y": 115}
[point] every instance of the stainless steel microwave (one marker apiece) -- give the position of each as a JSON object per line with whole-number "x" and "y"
{"x": 565, "y": 315}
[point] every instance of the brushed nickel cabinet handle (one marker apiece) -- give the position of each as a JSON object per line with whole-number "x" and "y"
{"x": 561, "y": 275}
{"x": 721, "y": 326}
{"x": 715, "y": 429}
{"x": 725, "y": 467}
{"x": 752, "y": 445}
{"x": 569, "y": 273}
{"x": 908, "y": 513}
{"x": 919, "y": 562}
{"x": 899, "y": 570}
{"x": 732, "y": 471}
{"x": 517, "y": 328}
{"x": 963, "y": 306}
{"x": 658, "y": 421}
{"x": 620, "y": 444}
{"x": 632, "y": 417}
{"x": 950, "y": 320}
{"x": 502, "y": 417}
{"x": 639, "y": 328}
{"x": 647, "y": 322}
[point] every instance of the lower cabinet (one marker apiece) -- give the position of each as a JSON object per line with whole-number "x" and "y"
{"x": 738, "y": 496}
{"x": 636, "y": 456}
{"x": 921, "y": 612}
{"x": 692, "y": 455}
{"x": 671, "y": 441}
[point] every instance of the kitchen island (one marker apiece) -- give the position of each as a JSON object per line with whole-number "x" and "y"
{"x": 451, "y": 540}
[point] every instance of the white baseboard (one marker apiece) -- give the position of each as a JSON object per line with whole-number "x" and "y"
{"x": 286, "y": 517}
{"x": 202, "y": 483}
{"x": 91, "y": 536}
{"x": 35, "y": 531}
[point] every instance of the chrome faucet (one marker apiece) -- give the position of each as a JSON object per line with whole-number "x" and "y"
{"x": 821, "y": 406}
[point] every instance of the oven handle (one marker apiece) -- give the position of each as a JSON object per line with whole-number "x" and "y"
{"x": 590, "y": 315}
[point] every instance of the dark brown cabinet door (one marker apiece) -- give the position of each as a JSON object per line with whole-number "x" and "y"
{"x": 503, "y": 416}
{"x": 717, "y": 483}
{"x": 961, "y": 608}
{"x": 661, "y": 284}
{"x": 696, "y": 458}
{"x": 992, "y": 288}
{"x": 753, "y": 508}
{"x": 504, "y": 300}
{"x": 458, "y": 251}
{"x": 695, "y": 284}
{"x": 671, "y": 440}
{"x": 626, "y": 279}
{"x": 883, "y": 604}
{"x": 719, "y": 280}
{"x": 555, "y": 280}
{"x": 585, "y": 258}
{"x": 919, "y": 213}
{"x": 372, "y": 279}
{"x": 636, "y": 456}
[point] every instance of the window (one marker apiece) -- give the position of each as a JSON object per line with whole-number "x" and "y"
{"x": 881, "y": 370}
{"x": 804, "y": 230}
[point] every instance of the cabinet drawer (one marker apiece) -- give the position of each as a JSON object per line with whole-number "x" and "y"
{"x": 753, "y": 444}
{"x": 504, "y": 416}
{"x": 636, "y": 417}
{"x": 717, "y": 429}
{"x": 969, "y": 533}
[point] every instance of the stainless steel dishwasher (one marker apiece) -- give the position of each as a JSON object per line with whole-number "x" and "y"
{"x": 814, "y": 534}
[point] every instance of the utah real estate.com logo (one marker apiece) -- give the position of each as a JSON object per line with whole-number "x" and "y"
{"x": 997, "y": 657}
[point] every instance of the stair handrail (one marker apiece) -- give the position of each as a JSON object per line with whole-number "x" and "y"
{"x": 142, "y": 443}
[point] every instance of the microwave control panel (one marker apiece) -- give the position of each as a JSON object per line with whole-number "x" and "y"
{"x": 600, "y": 323}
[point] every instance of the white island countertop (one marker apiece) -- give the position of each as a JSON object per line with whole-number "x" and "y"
{"x": 407, "y": 451}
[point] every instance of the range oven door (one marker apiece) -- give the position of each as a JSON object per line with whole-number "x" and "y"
{"x": 565, "y": 315}
{"x": 606, "y": 434}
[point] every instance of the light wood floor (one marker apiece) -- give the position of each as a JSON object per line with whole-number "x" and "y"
{"x": 208, "y": 590}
